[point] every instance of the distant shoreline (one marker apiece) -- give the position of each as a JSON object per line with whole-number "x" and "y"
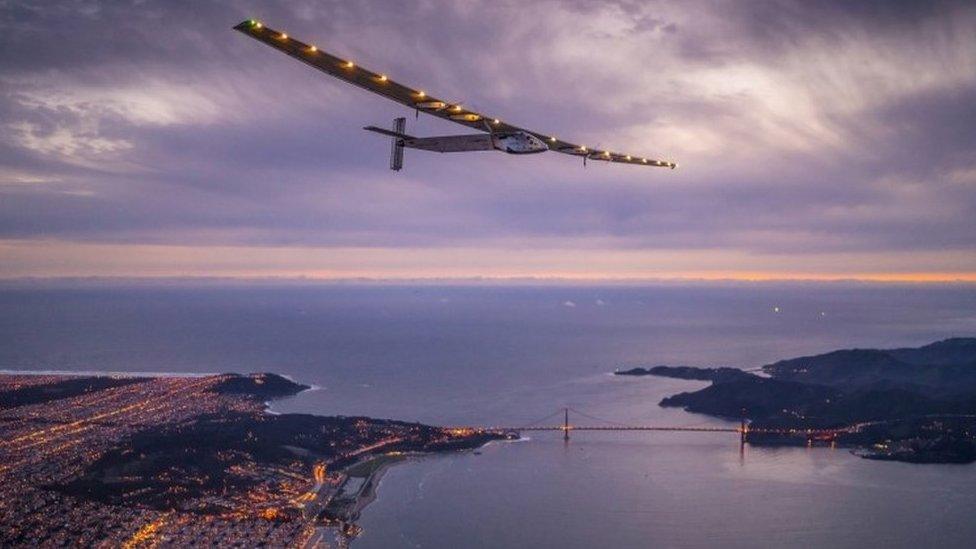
{"x": 146, "y": 375}
{"x": 62, "y": 282}
{"x": 108, "y": 373}
{"x": 915, "y": 405}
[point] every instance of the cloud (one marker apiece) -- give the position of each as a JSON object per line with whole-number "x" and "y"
{"x": 15, "y": 178}
{"x": 808, "y": 130}
{"x": 150, "y": 103}
{"x": 76, "y": 145}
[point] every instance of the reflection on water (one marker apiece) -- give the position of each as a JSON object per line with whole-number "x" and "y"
{"x": 668, "y": 492}
{"x": 485, "y": 356}
{"x": 667, "y": 489}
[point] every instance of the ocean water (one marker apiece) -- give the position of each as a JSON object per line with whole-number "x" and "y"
{"x": 510, "y": 355}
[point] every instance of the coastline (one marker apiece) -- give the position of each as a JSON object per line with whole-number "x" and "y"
{"x": 149, "y": 375}
{"x": 126, "y": 374}
{"x": 221, "y": 429}
{"x": 343, "y": 524}
{"x": 107, "y": 373}
{"x": 911, "y": 405}
{"x": 340, "y": 513}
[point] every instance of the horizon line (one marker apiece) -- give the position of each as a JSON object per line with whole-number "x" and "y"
{"x": 893, "y": 279}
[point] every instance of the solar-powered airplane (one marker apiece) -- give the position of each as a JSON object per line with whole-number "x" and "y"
{"x": 497, "y": 135}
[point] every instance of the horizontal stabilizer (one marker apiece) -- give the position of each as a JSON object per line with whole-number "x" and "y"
{"x": 385, "y": 131}
{"x": 451, "y": 143}
{"x": 440, "y": 143}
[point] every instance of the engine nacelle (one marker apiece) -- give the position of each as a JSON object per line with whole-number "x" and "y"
{"x": 518, "y": 143}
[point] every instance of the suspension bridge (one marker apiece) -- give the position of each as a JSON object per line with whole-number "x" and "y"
{"x": 743, "y": 429}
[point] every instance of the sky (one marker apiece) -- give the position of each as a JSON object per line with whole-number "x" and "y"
{"x": 816, "y": 140}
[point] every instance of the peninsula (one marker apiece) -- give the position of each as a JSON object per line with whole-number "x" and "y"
{"x": 910, "y": 404}
{"x": 135, "y": 461}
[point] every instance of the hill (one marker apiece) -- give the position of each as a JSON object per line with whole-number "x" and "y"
{"x": 908, "y": 404}
{"x": 943, "y": 369}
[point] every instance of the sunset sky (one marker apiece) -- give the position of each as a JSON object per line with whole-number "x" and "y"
{"x": 816, "y": 140}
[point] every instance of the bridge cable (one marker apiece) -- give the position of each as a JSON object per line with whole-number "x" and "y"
{"x": 616, "y": 423}
{"x": 540, "y": 420}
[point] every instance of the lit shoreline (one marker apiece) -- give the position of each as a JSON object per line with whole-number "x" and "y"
{"x": 105, "y": 373}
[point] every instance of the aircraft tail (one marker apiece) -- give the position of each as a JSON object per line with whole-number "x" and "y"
{"x": 439, "y": 143}
{"x": 396, "y": 146}
{"x": 396, "y": 143}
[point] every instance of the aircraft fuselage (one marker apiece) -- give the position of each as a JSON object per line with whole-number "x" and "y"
{"x": 518, "y": 143}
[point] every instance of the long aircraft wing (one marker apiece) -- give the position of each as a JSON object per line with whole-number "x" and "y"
{"x": 418, "y": 99}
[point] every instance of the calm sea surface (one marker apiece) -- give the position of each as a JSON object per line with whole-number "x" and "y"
{"x": 511, "y": 355}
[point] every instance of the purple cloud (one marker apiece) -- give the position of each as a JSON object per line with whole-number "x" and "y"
{"x": 800, "y": 128}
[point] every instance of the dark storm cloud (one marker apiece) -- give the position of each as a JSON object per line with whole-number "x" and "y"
{"x": 799, "y": 126}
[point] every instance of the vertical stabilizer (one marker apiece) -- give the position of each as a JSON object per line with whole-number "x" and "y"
{"x": 396, "y": 147}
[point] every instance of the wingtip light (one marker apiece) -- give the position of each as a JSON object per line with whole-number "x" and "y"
{"x": 313, "y": 49}
{"x": 349, "y": 65}
{"x": 283, "y": 36}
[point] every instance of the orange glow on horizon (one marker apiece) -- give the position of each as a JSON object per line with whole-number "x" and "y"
{"x": 498, "y": 261}
{"x": 710, "y": 276}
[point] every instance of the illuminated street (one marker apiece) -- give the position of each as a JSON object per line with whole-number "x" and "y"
{"x": 70, "y": 473}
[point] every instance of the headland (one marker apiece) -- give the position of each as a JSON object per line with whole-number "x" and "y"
{"x": 178, "y": 461}
{"x": 910, "y": 404}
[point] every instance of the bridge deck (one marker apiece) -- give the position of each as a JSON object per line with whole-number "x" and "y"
{"x": 759, "y": 431}
{"x": 624, "y": 428}
{"x": 743, "y": 429}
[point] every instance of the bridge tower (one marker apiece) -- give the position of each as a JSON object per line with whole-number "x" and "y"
{"x": 566, "y": 424}
{"x": 743, "y": 428}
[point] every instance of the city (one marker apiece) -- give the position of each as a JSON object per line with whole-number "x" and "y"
{"x": 139, "y": 462}
{"x": 488, "y": 274}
